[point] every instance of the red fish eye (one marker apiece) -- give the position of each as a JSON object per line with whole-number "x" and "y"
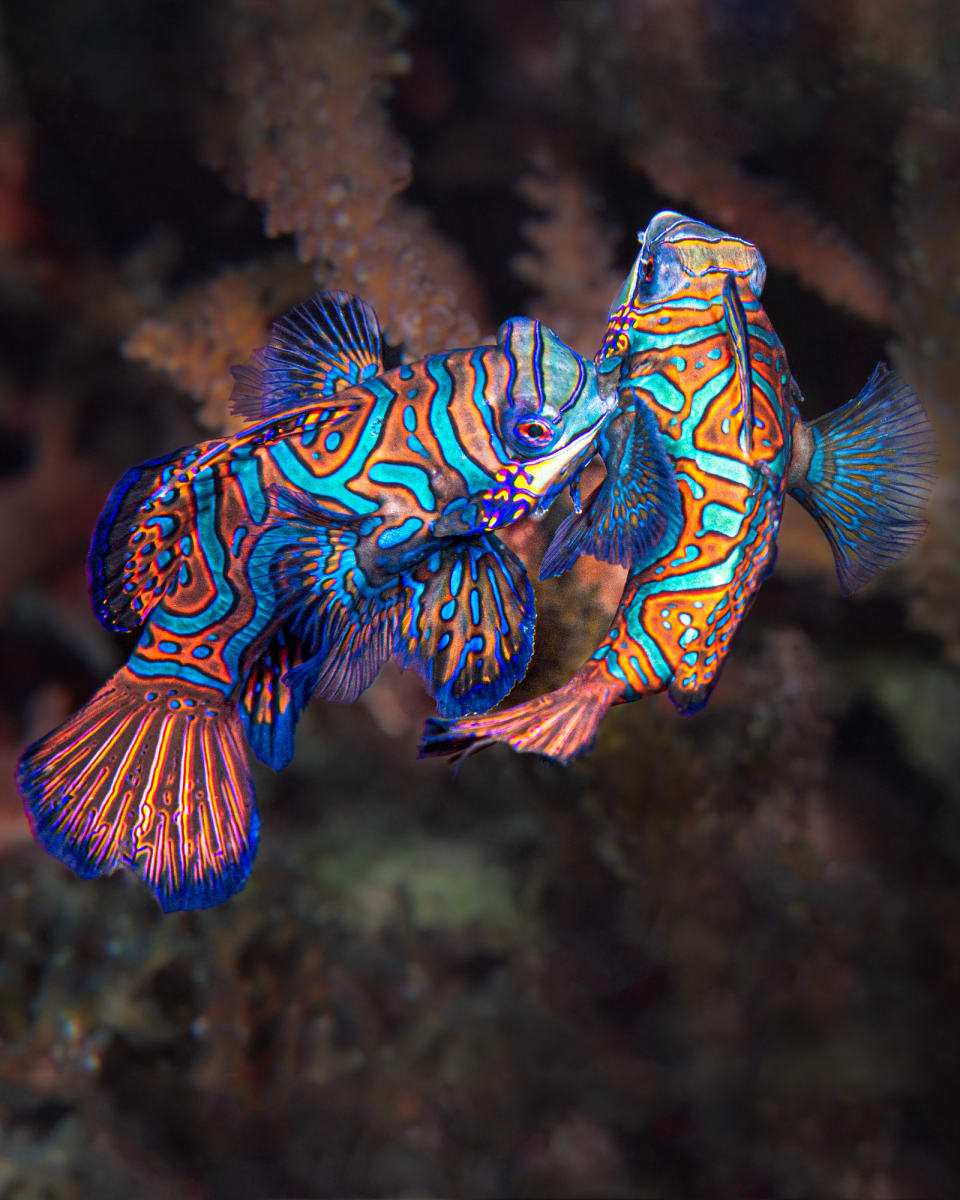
{"x": 648, "y": 269}
{"x": 534, "y": 431}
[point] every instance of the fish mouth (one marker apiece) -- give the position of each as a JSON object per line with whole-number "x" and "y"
{"x": 544, "y": 473}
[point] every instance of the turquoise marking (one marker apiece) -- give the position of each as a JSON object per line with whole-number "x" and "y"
{"x": 725, "y": 425}
{"x": 332, "y": 441}
{"x": 209, "y": 544}
{"x": 414, "y": 479}
{"x": 456, "y": 577}
{"x": 238, "y": 535}
{"x": 691, "y": 661}
{"x": 688, "y": 636}
{"x": 247, "y": 474}
{"x": 369, "y": 370}
{"x": 148, "y": 669}
{"x": 679, "y": 363}
{"x": 723, "y": 468}
{"x": 406, "y": 372}
{"x": 661, "y": 389}
{"x": 640, "y": 341}
{"x": 411, "y": 393}
{"x": 186, "y": 546}
{"x": 336, "y": 485}
{"x": 695, "y": 486}
{"x": 201, "y": 652}
{"x": 715, "y": 353}
{"x": 441, "y": 426}
{"x": 410, "y": 418}
{"x": 310, "y": 431}
{"x": 166, "y": 525}
{"x": 479, "y": 397}
{"x": 163, "y": 558}
{"x": 475, "y": 605}
{"x": 446, "y": 613}
{"x": 417, "y": 446}
{"x": 169, "y": 647}
{"x": 444, "y": 642}
{"x": 400, "y": 533}
{"x": 635, "y": 666}
{"x": 689, "y": 555}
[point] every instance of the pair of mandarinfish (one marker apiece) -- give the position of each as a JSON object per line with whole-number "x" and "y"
{"x": 350, "y": 523}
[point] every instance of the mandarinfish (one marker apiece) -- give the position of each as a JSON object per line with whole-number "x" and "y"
{"x": 350, "y": 523}
{"x": 705, "y": 387}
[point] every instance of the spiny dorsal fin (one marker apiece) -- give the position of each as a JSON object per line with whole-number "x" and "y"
{"x": 736, "y": 320}
{"x": 329, "y": 343}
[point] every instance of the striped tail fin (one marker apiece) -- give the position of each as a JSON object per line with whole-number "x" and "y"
{"x": 149, "y": 777}
{"x": 561, "y": 725}
{"x": 864, "y": 473}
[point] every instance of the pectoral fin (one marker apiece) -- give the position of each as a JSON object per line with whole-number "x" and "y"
{"x": 346, "y": 623}
{"x": 636, "y": 508}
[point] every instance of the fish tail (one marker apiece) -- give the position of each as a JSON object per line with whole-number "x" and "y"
{"x": 864, "y": 473}
{"x": 152, "y": 777}
{"x": 560, "y": 725}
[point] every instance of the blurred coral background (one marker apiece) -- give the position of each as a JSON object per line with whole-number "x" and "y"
{"x": 720, "y": 956}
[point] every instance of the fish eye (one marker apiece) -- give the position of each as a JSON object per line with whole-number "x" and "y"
{"x": 648, "y": 269}
{"x": 533, "y": 433}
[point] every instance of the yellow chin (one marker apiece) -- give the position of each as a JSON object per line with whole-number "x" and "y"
{"x": 544, "y": 473}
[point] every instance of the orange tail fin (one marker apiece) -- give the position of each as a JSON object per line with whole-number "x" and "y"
{"x": 149, "y": 777}
{"x": 560, "y": 725}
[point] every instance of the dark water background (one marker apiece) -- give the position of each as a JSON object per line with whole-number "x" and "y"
{"x": 719, "y": 957}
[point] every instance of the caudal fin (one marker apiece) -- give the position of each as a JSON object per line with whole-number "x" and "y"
{"x": 150, "y": 778}
{"x": 560, "y": 725}
{"x": 868, "y": 477}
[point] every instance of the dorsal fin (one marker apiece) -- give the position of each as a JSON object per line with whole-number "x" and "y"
{"x": 736, "y": 320}
{"x": 329, "y": 343}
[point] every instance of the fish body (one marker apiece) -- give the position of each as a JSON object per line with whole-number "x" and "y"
{"x": 699, "y": 354}
{"x": 351, "y": 522}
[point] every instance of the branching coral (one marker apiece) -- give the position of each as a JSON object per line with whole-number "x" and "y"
{"x": 792, "y": 236}
{"x": 571, "y": 262}
{"x": 314, "y": 147}
{"x": 210, "y": 328}
{"x": 926, "y": 348}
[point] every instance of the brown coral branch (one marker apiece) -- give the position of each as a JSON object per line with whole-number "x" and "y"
{"x": 314, "y": 147}
{"x": 210, "y": 328}
{"x": 792, "y": 236}
{"x": 571, "y": 264}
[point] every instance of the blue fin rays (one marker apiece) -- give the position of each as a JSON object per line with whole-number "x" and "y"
{"x": 331, "y": 342}
{"x": 635, "y": 510}
{"x": 868, "y": 477}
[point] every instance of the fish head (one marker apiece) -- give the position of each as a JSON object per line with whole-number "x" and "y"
{"x": 548, "y": 419}
{"x": 677, "y": 254}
